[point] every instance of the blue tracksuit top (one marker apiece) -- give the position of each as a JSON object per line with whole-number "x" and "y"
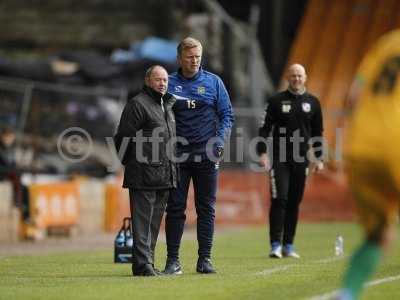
{"x": 203, "y": 109}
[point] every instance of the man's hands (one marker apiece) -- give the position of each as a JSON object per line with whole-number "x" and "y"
{"x": 219, "y": 152}
{"x": 264, "y": 161}
{"x": 316, "y": 166}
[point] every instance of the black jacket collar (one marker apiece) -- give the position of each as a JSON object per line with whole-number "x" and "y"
{"x": 156, "y": 96}
{"x": 289, "y": 90}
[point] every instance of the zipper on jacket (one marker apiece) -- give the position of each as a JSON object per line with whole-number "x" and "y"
{"x": 170, "y": 136}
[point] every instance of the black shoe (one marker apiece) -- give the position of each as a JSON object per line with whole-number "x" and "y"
{"x": 173, "y": 267}
{"x": 158, "y": 272}
{"x": 145, "y": 270}
{"x": 205, "y": 266}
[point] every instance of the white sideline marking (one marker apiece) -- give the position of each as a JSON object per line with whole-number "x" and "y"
{"x": 285, "y": 267}
{"x": 383, "y": 280}
{"x": 326, "y": 296}
{"x": 274, "y": 270}
{"x": 331, "y": 259}
{"x": 332, "y": 294}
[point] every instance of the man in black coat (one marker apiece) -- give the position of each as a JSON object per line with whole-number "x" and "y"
{"x": 145, "y": 137}
{"x": 293, "y": 121}
{"x": 8, "y": 165}
{"x": 9, "y": 170}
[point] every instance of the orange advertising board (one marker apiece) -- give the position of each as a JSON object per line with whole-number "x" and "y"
{"x": 54, "y": 204}
{"x": 116, "y": 206}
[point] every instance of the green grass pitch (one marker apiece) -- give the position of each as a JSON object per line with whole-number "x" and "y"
{"x": 241, "y": 259}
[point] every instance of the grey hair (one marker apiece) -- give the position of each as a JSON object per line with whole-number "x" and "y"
{"x": 149, "y": 71}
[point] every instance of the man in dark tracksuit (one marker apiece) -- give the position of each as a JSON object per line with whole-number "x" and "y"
{"x": 146, "y": 128}
{"x": 204, "y": 118}
{"x": 294, "y": 121}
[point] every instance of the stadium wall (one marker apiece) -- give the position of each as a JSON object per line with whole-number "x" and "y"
{"x": 91, "y": 206}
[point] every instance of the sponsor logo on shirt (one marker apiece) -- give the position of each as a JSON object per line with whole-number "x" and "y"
{"x": 306, "y": 107}
{"x": 201, "y": 90}
{"x": 286, "y": 108}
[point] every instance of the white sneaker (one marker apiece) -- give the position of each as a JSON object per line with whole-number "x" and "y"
{"x": 276, "y": 252}
{"x": 291, "y": 254}
{"x": 288, "y": 251}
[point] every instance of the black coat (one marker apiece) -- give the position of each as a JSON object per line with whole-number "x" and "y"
{"x": 8, "y": 166}
{"x": 288, "y": 114}
{"x": 140, "y": 117}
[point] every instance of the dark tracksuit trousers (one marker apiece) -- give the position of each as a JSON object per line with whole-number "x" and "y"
{"x": 287, "y": 187}
{"x": 147, "y": 209}
{"x": 204, "y": 175}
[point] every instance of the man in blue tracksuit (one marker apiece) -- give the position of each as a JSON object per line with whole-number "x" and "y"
{"x": 204, "y": 118}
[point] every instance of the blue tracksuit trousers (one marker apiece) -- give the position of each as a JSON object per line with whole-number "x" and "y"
{"x": 204, "y": 175}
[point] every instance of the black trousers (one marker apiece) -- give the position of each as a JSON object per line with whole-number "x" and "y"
{"x": 287, "y": 188}
{"x": 204, "y": 175}
{"x": 147, "y": 209}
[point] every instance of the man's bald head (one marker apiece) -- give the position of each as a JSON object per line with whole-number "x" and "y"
{"x": 157, "y": 78}
{"x": 296, "y": 76}
{"x": 296, "y": 68}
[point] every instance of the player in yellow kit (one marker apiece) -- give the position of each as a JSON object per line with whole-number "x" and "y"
{"x": 373, "y": 157}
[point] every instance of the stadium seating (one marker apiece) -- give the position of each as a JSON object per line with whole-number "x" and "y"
{"x": 332, "y": 38}
{"x": 306, "y": 40}
{"x": 321, "y": 66}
